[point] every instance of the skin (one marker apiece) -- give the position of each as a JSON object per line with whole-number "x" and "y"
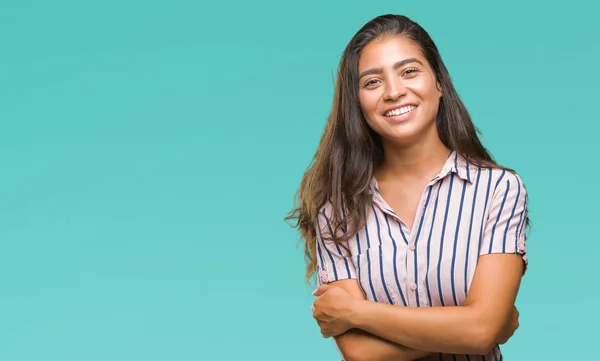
{"x": 386, "y": 85}
{"x": 395, "y": 72}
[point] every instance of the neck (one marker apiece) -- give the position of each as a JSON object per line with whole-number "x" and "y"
{"x": 417, "y": 162}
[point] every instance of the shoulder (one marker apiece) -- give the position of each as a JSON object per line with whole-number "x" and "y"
{"x": 507, "y": 179}
{"x": 507, "y": 186}
{"x": 325, "y": 211}
{"x": 496, "y": 178}
{"x": 324, "y": 219}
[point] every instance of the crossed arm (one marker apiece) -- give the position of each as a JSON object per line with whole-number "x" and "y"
{"x": 365, "y": 330}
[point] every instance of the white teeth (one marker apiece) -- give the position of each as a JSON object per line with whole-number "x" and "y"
{"x": 400, "y": 111}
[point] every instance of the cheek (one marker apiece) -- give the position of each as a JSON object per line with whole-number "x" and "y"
{"x": 368, "y": 104}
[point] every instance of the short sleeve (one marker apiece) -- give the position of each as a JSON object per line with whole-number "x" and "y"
{"x": 504, "y": 230}
{"x": 334, "y": 261}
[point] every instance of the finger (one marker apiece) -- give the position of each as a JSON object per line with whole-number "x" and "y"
{"x": 319, "y": 291}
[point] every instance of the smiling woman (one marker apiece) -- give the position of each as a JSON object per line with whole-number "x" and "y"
{"x": 416, "y": 234}
{"x": 399, "y": 98}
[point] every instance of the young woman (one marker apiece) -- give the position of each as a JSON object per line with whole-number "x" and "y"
{"x": 415, "y": 234}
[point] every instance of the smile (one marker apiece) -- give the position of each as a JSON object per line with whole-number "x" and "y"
{"x": 400, "y": 111}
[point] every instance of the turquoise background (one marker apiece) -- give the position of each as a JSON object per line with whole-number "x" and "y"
{"x": 150, "y": 150}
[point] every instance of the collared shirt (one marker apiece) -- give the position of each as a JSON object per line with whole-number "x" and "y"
{"x": 464, "y": 212}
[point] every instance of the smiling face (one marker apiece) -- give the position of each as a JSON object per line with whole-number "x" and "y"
{"x": 399, "y": 95}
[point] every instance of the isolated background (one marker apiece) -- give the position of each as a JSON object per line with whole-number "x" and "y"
{"x": 149, "y": 152}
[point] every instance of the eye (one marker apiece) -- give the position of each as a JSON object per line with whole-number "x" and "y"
{"x": 410, "y": 71}
{"x": 369, "y": 83}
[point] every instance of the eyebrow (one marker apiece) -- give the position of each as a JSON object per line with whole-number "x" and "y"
{"x": 396, "y": 66}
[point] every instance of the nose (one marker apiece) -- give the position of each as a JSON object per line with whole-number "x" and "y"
{"x": 394, "y": 89}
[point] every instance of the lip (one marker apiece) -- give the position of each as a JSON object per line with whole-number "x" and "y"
{"x": 403, "y": 117}
{"x": 398, "y": 107}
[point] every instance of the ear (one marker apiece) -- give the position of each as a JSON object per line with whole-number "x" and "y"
{"x": 439, "y": 88}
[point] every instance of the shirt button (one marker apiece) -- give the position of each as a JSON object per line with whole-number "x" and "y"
{"x": 323, "y": 277}
{"x": 411, "y": 246}
{"x": 413, "y": 286}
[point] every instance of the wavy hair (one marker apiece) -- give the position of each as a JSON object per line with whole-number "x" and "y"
{"x": 349, "y": 150}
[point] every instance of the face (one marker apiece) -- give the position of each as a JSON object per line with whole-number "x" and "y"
{"x": 399, "y": 95}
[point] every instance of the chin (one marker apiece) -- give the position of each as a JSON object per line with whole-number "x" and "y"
{"x": 407, "y": 134}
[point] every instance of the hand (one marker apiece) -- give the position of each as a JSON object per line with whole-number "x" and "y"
{"x": 332, "y": 310}
{"x": 510, "y": 327}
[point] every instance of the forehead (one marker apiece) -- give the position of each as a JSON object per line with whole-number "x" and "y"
{"x": 387, "y": 51}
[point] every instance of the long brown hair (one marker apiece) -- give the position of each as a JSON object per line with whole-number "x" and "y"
{"x": 349, "y": 150}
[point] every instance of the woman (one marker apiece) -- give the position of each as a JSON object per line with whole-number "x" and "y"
{"x": 416, "y": 235}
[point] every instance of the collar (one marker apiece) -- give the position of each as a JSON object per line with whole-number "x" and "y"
{"x": 455, "y": 163}
{"x": 458, "y": 165}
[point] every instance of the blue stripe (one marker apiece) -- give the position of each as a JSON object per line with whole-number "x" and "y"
{"x": 327, "y": 249}
{"x": 462, "y": 200}
{"x": 369, "y": 262}
{"x": 358, "y": 256}
{"x": 437, "y": 197}
{"x": 417, "y": 239}
{"x": 402, "y": 233}
{"x": 521, "y": 222}
{"x": 367, "y": 234}
{"x": 337, "y": 246}
{"x": 471, "y": 227}
{"x": 499, "y": 214}
{"x": 517, "y": 231}
{"x": 322, "y": 263}
{"x": 439, "y": 265}
{"x": 332, "y": 262}
{"x": 358, "y": 267}
{"x": 395, "y": 263}
{"x": 487, "y": 196}
{"x": 423, "y": 214}
{"x": 387, "y": 293}
{"x": 456, "y": 162}
{"x": 499, "y": 179}
{"x": 319, "y": 241}
{"x": 468, "y": 175}
{"x": 512, "y": 213}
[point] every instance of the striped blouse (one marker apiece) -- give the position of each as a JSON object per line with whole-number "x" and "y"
{"x": 464, "y": 212}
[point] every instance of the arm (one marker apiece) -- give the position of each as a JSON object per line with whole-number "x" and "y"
{"x": 336, "y": 267}
{"x": 477, "y": 325}
{"x": 473, "y": 328}
{"x": 356, "y": 344}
